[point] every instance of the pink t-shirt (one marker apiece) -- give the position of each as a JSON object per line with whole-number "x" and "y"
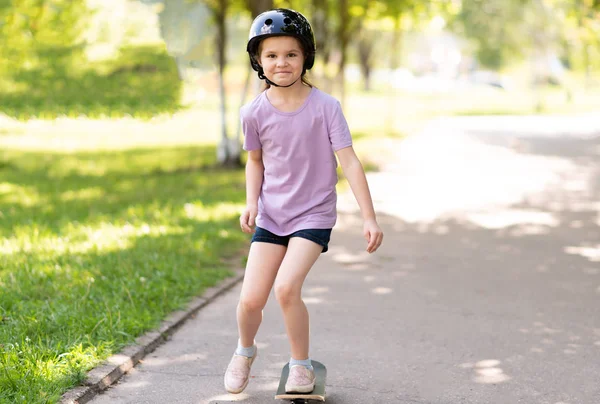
{"x": 298, "y": 190}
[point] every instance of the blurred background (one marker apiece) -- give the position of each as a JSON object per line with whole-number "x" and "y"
{"x": 393, "y": 63}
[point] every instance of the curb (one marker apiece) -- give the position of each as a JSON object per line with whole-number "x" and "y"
{"x": 109, "y": 372}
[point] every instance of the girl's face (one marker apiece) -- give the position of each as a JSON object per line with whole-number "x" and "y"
{"x": 282, "y": 59}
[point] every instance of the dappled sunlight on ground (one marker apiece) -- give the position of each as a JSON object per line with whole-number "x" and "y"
{"x": 591, "y": 252}
{"x": 444, "y": 171}
{"x": 495, "y": 235}
{"x": 494, "y": 178}
{"x": 381, "y": 291}
{"x": 497, "y": 219}
{"x": 316, "y": 290}
{"x": 312, "y": 300}
{"x": 269, "y": 386}
{"x": 226, "y": 398}
{"x": 349, "y": 258}
{"x": 487, "y": 371}
{"x": 184, "y": 358}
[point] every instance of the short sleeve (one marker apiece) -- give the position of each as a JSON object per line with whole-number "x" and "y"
{"x": 251, "y": 138}
{"x": 339, "y": 133}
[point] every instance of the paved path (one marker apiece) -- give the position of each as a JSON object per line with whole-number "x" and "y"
{"x": 486, "y": 290}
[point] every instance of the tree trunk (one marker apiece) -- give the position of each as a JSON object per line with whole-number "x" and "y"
{"x": 366, "y": 44}
{"x": 540, "y": 41}
{"x": 320, "y": 23}
{"x": 588, "y": 65}
{"x": 394, "y": 64}
{"x": 258, "y": 6}
{"x": 343, "y": 37}
{"x": 367, "y": 77}
{"x": 249, "y": 75}
{"x": 228, "y": 153}
{"x": 396, "y": 42}
{"x": 582, "y": 14}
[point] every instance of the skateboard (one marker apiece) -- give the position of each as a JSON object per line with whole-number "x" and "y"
{"x": 318, "y": 394}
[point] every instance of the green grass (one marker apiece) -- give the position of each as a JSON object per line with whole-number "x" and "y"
{"x": 98, "y": 247}
{"x": 141, "y": 82}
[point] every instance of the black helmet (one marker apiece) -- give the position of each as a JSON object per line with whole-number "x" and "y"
{"x": 280, "y": 22}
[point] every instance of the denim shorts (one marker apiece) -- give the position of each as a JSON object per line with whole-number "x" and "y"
{"x": 319, "y": 236}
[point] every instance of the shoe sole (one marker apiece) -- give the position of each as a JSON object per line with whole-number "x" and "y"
{"x": 300, "y": 389}
{"x": 232, "y": 391}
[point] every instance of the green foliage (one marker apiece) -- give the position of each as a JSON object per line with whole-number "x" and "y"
{"x": 581, "y": 32}
{"x": 41, "y": 33}
{"x": 496, "y": 27}
{"x": 96, "y": 248}
{"x": 140, "y": 82}
{"x": 44, "y": 72}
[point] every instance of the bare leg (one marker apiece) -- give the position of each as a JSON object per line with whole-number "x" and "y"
{"x": 263, "y": 263}
{"x": 299, "y": 259}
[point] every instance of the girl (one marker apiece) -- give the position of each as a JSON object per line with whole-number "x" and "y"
{"x": 291, "y": 131}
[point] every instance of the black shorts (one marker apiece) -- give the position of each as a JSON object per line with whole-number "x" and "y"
{"x": 319, "y": 236}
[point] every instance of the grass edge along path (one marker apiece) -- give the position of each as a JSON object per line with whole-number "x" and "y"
{"x": 101, "y": 377}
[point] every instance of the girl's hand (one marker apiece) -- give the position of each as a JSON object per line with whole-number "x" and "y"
{"x": 373, "y": 234}
{"x": 247, "y": 219}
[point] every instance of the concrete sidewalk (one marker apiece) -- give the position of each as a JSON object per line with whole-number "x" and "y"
{"x": 486, "y": 290}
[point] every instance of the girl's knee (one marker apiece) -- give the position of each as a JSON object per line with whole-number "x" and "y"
{"x": 251, "y": 304}
{"x": 286, "y": 293}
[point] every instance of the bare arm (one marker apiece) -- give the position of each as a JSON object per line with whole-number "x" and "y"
{"x": 354, "y": 172}
{"x": 254, "y": 179}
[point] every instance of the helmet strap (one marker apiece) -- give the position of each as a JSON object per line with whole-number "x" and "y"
{"x": 277, "y": 85}
{"x": 261, "y": 75}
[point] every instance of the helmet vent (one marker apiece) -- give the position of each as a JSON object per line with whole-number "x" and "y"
{"x": 287, "y": 20}
{"x": 268, "y": 21}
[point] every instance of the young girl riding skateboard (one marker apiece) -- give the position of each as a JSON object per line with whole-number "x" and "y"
{"x": 292, "y": 133}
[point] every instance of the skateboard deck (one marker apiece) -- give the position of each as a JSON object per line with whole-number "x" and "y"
{"x": 318, "y": 394}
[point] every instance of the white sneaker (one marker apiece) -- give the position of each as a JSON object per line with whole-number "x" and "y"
{"x": 238, "y": 372}
{"x": 300, "y": 380}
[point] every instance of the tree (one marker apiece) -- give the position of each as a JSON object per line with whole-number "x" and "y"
{"x": 255, "y": 7}
{"x": 323, "y": 29}
{"x": 228, "y": 153}
{"x": 366, "y": 40}
{"x": 401, "y": 13}
{"x": 343, "y": 35}
{"x": 229, "y": 150}
{"x": 496, "y": 27}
